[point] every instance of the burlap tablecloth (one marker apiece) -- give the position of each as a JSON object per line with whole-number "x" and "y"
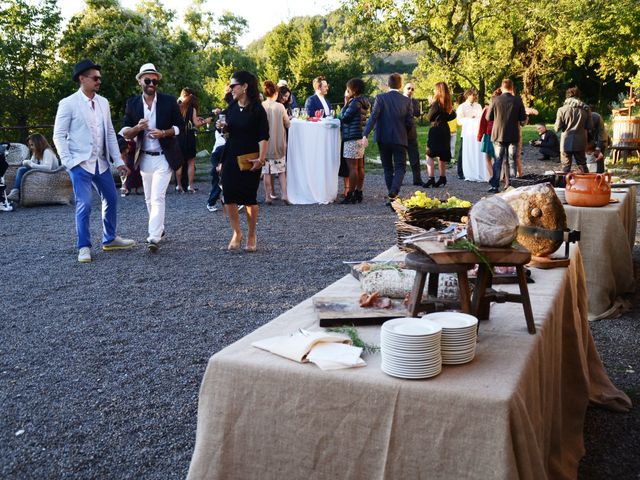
{"x": 515, "y": 412}
{"x": 607, "y": 239}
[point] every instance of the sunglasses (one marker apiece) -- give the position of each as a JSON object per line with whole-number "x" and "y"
{"x": 95, "y": 78}
{"x": 232, "y": 85}
{"x": 149, "y": 81}
{"x": 411, "y": 89}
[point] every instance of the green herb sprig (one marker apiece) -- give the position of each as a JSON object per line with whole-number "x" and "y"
{"x": 352, "y": 333}
{"x": 469, "y": 246}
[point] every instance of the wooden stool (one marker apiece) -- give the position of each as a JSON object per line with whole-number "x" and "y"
{"x": 423, "y": 264}
{"x": 483, "y": 294}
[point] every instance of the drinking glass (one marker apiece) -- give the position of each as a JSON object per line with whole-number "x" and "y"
{"x": 332, "y": 114}
{"x": 319, "y": 114}
{"x": 296, "y": 112}
{"x": 222, "y": 118}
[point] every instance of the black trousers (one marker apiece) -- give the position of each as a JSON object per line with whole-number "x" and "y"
{"x": 393, "y": 158}
{"x": 414, "y": 161}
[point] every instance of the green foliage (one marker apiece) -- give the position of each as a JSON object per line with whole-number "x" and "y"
{"x": 28, "y": 42}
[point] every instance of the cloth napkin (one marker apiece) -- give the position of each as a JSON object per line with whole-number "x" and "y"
{"x": 333, "y": 356}
{"x": 297, "y": 345}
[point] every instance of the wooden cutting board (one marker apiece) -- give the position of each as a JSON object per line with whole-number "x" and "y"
{"x": 496, "y": 256}
{"x": 334, "y": 311}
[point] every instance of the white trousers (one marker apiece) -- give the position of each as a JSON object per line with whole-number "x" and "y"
{"x": 156, "y": 175}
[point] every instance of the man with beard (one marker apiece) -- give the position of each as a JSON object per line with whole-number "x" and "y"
{"x": 86, "y": 141}
{"x": 154, "y": 120}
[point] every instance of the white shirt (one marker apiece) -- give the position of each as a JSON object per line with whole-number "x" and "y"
{"x": 325, "y": 105}
{"x": 152, "y": 144}
{"x": 96, "y": 125}
{"x": 49, "y": 161}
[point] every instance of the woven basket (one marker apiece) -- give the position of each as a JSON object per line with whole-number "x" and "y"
{"x": 532, "y": 179}
{"x": 428, "y": 217}
{"x": 44, "y": 187}
{"x": 404, "y": 230}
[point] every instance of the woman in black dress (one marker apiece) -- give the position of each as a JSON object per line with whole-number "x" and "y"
{"x": 439, "y": 138}
{"x": 248, "y": 129}
{"x": 187, "y": 140}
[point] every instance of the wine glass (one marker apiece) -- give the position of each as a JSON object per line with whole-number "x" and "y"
{"x": 296, "y": 112}
{"x": 332, "y": 114}
{"x": 222, "y": 119}
{"x": 319, "y": 114}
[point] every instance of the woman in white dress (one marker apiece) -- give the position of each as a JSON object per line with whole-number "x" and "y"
{"x": 468, "y": 116}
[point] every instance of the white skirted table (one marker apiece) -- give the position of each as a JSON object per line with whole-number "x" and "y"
{"x": 607, "y": 238}
{"x": 313, "y": 160}
{"x": 515, "y": 412}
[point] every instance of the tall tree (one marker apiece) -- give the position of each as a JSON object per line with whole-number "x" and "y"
{"x": 29, "y": 34}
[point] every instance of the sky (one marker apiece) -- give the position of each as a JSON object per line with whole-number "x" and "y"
{"x": 262, "y": 15}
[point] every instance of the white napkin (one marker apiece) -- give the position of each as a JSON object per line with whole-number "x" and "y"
{"x": 298, "y": 344}
{"x": 333, "y": 356}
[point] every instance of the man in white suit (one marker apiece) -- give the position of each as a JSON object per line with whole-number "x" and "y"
{"x": 86, "y": 141}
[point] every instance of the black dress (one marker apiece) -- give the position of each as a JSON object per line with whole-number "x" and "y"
{"x": 439, "y": 138}
{"x": 246, "y": 128}
{"x": 187, "y": 139}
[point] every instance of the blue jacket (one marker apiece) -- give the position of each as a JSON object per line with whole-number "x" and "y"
{"x": 313, "y": 103}
{"x": 392, "y": 116}
{"x": 353, "y": 118}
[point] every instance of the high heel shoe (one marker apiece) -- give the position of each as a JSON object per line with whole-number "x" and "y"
{"x": 348, "y": 199}
{"x": 442, "y": 181}
{"x": 430, "y": 183}
{"x": 358, "y": 196}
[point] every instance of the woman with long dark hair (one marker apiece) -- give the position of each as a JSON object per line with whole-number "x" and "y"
{"x": 353, "y": 119}
{"x": 187, "y": 140}
{"x": 284, "y": 97}
{"x": 438, "y": 141}
{"x": 277, "y": 147}
{"x": 244, "y": 156}
{"x": 42, "y": 158}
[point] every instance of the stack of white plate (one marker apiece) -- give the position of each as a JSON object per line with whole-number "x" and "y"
{"x": 560, "y": 192}
{"x": 459, "y": 334}
{"x": 410, "y": 348}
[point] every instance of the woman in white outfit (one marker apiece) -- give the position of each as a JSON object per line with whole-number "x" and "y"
{"x": 42, "y": 158}
{"x": 468, "y": 115}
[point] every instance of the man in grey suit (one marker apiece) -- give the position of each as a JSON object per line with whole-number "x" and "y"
{"x": 86, "y": 142}
{"x": 574, "y": 121}
{"x": 392, "y": 117}
{"x": 508, "y": 115}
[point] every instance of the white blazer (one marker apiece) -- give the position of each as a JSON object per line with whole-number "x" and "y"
{"x": 72, "y": 134}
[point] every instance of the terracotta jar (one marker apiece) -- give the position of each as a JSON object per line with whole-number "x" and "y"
{"x": 588, "y": 189}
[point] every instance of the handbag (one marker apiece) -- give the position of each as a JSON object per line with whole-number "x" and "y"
{"x": 243, "y": 161}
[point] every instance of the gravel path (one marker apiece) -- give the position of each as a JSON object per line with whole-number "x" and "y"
{"x": 100, "y": 364}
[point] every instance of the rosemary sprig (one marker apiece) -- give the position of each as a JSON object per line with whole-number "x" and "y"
{"x": 469, "y": 246}
{"x": 352, "y": 333}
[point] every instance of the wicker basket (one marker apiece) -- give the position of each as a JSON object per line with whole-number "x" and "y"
{"x": 532, "y": 179}
{"x": 404, "y": 230}
{"x": 428, "y": 217}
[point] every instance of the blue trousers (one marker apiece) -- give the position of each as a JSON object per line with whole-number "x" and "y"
{"x": 19, "y": 174}
{"x": 393, "y": 158}
{"x": 504, "y": 151}
{"x": 83, "y": 182}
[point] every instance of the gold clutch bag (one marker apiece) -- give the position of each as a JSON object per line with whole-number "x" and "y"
{"x": 244, "y": 163}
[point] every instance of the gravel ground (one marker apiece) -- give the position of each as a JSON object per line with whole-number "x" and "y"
{"x": 100, "y": 364}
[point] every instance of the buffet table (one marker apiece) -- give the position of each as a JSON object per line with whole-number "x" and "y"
{"x": 313, "y": 160}
{"x": 515, "y": 412}
{"x": 607, "y": 238}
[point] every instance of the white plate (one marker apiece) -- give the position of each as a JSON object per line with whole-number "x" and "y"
{"x": 411, "y": 376}
{"x": 412, "y": 369}
{"x": 410, "y": 326}
{"x": 452, "y": 320}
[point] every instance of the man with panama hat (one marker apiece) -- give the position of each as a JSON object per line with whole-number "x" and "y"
{"x": 153, "y": 119}
{"x": 86, "y": 142}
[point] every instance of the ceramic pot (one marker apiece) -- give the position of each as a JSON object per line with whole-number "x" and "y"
{"x": 588, "y": 189}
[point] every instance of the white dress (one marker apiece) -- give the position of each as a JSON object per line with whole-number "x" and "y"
{"x": 473, "y": 161}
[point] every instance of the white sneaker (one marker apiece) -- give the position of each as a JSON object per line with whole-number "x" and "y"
{"x": 84, "y": 255}
{"x": 213, "y": 208}
{"x": 118, "y": 243}
{"x": 14, "y": 195}
{"x": 6, "y": 207}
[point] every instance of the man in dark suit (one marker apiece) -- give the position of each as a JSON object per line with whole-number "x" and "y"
{"x": 154, "y": 120}
{"x": 412, "y": 137}
{"x": 547, "y": 142}
{"x": 392, "y": 117}
{"x": 318, "y": 101}
{"x": 508, "y": 115}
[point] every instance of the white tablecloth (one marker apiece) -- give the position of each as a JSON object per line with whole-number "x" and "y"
{"x": 313, "y": 160}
